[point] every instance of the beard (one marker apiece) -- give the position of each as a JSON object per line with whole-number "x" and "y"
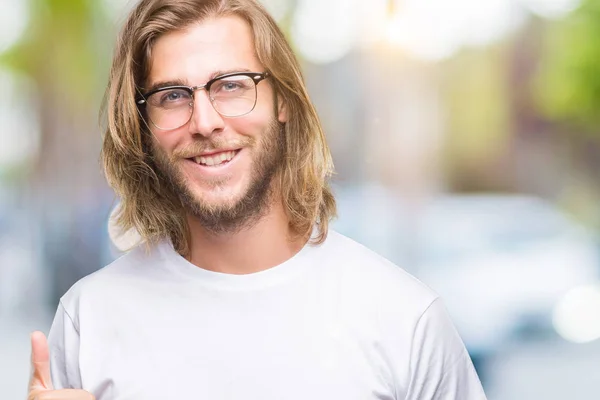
{"x": 237, "y": 214}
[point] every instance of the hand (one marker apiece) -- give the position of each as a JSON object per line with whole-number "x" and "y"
{"x": 40, "y": 385}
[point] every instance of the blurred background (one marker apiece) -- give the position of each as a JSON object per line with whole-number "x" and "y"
{"x": 466, "y": 136}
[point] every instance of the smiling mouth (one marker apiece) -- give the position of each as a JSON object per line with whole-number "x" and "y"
{"x": 215, "y": 160}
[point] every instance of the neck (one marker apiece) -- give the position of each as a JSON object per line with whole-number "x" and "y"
{"x": 267, "y": 243}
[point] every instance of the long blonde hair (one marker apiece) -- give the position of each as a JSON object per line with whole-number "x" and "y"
{"x": 148, "y": 204}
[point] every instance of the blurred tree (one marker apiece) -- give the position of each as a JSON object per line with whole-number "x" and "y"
{"x": 65, "y": 51}
{"x": 567, "y": 92}
{"x": 476, "y": 89}
{"x": 567, "y": 87}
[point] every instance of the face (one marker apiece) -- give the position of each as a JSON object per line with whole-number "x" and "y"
{"x": 223, "y": 195}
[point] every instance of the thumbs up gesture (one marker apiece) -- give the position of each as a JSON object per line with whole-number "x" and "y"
{"x": 40, "y": 385}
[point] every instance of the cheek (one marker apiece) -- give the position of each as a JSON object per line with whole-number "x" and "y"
{"x": 253, "y": 124}
{"x": 167, "y": 141}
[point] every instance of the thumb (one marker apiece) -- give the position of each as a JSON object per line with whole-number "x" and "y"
{"x": 40, "y": 363}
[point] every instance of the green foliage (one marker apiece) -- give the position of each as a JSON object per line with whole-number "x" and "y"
{"x": 567, "y": 87}
{"x": 64, "y": 49}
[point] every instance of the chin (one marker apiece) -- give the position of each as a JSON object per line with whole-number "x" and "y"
{"x": 218, "y": 198}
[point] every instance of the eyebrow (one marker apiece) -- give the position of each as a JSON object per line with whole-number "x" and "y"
{"x": 227, "y": 71}
{"x": 162, "y": 84}
{"x": 180, "y": 82}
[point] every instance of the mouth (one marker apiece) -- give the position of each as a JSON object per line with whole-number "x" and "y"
{"x": 216, "y": 159}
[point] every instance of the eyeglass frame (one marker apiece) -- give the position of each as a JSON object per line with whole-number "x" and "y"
{"x": 257, "y": 77}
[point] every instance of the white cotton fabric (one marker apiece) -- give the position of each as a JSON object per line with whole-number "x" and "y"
{"x": 336, "y": 321}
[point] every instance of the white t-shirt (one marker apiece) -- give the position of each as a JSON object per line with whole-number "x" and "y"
{"x": 336, "y": 321}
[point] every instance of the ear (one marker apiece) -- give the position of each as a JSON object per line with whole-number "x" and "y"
{"x": 282, "y": 112}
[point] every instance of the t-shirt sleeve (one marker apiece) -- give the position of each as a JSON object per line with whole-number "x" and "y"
{"x": 63, "y": 342}
{"x": 440, "y": 367}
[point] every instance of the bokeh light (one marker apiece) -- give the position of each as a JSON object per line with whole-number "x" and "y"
{"x": 324, "y": 31}
{"x": 551, "y": 8}
{"x": 577, "y": 315}
{"x": 13, "y": 22}
{"x": 436, "y": 29}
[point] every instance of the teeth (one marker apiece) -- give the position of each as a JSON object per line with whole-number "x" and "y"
{"x": 216, "y": 159}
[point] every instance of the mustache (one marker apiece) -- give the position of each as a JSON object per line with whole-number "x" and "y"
{"x": 210, "y": 146}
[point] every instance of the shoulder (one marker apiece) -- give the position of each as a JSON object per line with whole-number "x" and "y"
{"x": 423, "y": 350}
{"x": 140, "y": 264}
{"x": 372, "y": 276}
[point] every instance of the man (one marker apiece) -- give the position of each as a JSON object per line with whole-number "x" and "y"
{"x": 240, "y": 291}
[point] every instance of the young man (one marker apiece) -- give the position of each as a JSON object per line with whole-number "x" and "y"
{"x": 240, "y": 290}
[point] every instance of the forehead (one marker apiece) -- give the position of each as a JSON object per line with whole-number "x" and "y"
{"x": 194, "y": 54}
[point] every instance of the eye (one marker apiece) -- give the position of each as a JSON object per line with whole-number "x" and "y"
{"x": 170, "y": 98}
{"x": 232, "y": 85}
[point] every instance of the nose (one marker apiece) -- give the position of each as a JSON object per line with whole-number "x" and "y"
{"x": 205, "y": 121}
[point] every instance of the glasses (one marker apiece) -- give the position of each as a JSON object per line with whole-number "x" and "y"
{"x": 231, "y": 95}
